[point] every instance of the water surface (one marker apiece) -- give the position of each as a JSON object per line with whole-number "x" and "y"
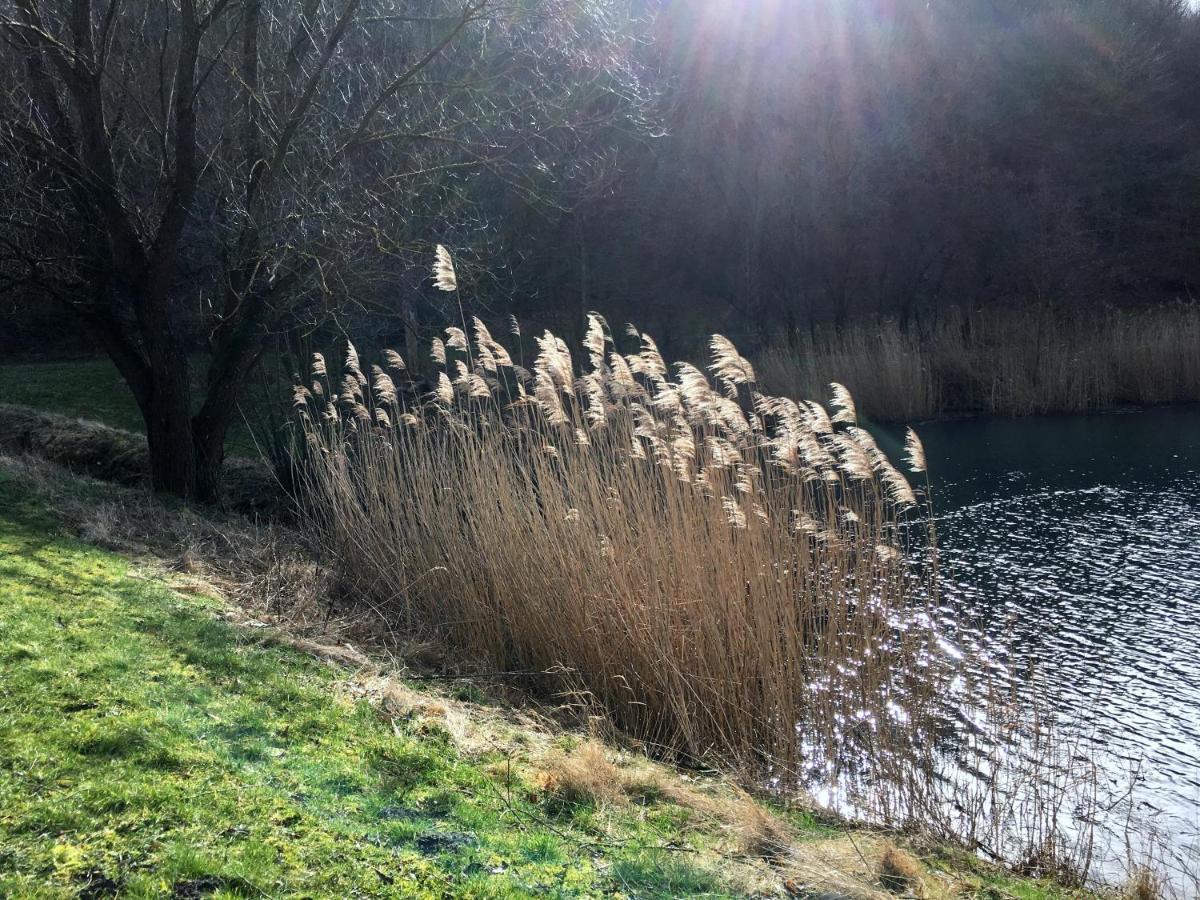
{"x": 1072, "y": 546}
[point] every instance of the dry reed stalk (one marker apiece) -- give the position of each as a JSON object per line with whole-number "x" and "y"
{"x": 1144, "y": 884}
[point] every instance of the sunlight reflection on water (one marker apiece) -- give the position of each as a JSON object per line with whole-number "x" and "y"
{"x": 1072, "y": 546}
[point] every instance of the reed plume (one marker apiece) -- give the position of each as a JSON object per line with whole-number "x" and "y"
{"x": 844, "y": 403}
{"x": 444, "y": 276}
{"x": 914, "y": 451}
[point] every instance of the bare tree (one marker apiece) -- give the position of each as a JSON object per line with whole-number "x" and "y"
{"x": 187, "y": 174}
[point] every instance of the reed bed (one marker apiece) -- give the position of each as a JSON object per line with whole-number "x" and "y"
{"x": 725, "y": 575}
{"x": 1017, "y": 363}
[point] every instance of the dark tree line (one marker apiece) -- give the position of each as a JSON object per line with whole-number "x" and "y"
{"x": 185, "y": 180}
{"x": 824, "y": 160}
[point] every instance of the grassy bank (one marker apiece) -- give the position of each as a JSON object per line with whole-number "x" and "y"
{"x": 1015, "y": 364}
{"x": 152, "y": 746}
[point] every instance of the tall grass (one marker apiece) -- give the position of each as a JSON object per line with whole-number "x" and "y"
{"x": 722, "y": 574}
{"x": 1007, "y": 363}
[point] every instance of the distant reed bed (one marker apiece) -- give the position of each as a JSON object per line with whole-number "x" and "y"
{"x": 1021, "y": 362}
{"x": 725, "y": 575}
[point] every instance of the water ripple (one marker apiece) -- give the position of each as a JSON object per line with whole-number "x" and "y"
{"x": 1083, "y": 564}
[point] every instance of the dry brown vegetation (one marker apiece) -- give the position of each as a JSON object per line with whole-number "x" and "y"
{"x": 898, "y": 871}
{"x": 1019, "y": 363}
{"x": 587, "y": 775}
{"x": 593, "y": 773}
{"x": 720, "y": 573}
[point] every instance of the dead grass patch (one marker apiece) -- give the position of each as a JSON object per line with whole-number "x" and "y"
{"x": 89, "y": 447}
{"x": 585, "y": 776}
{"x": 759, "y": 832}
{"x": 899, "y": 871}
{"x": 595, "y": 773}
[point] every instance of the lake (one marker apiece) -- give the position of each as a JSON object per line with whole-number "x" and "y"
{"x": 1071, "y": 544}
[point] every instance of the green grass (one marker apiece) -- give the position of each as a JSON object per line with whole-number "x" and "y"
{"x": 146, "y": 747}
{"x": 93, "y": 389}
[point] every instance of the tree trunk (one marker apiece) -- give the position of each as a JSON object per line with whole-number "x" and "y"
{"x": 210, "y": 463}
{"x": 187, "y": 454}
{"x": 210, "y": 427}
{"x": 169, "y": 436}
{"x": 237, "y": 353}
